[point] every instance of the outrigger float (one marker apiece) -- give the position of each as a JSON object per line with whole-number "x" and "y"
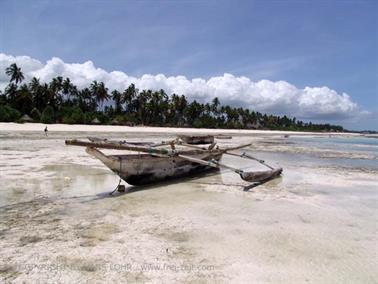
{"x": 156, "y": 162}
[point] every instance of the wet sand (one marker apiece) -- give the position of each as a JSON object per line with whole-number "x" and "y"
{"x": 58, "y": 223}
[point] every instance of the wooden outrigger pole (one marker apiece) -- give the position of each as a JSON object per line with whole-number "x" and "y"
{"x": 255, "y": 176}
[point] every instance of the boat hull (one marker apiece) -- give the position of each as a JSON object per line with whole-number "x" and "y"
{"x": 195, "y": 140}
{"x": 145, "y": 169}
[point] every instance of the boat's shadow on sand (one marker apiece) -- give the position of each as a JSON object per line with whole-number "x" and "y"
{"x": 189, "y": 179}
{"x": 130, "y": 189}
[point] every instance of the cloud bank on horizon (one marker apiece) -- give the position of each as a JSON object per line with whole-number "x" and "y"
{"x": 278, "y": 97}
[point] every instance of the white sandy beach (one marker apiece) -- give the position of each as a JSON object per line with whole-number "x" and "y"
{"x": 5, "y": 126}
{"x": 58, "y": 223}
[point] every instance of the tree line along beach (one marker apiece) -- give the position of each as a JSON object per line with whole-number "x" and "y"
{"x": 61, "y": 101}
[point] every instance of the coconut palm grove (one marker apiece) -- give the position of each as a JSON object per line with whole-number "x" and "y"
{"x": 60, "y": 101}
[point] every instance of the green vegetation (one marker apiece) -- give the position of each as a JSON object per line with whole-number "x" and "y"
{"x": 8, "y": 113}
{"x": 61, "y": 101}
{"x": 48, "y": 115}
{"x": 35, "y": 114}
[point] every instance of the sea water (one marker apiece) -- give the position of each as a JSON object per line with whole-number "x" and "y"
{"x": 345, "y": 152}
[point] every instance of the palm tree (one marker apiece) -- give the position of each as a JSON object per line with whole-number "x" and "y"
{"x": 116, "y": 96}
{"x": 37, "y": 94}
{"x": 24, "y": 100}
{"x": 194, "y": 112}
{"x": 102, "y": 94}
{"x": 86, "y": 101}
{"x": 3, "y": 98}
{"x": 99, "y": 92}
{"x": 173, "y": 108}
{"x": 93, "y": 87}
{"x": 15, "y": 73}
{"x": 215, "y": 104}
{"x": 68, "y": 89}
{"x": 129, "y": 99}
{"x": 34, "y": 85}
{"x": 143, "y": 99}
{"x": 157, "y": 107}
{"x": 10, "y": 93}
{"x": 55, "y": 87}
{"x": 181, "y": 106}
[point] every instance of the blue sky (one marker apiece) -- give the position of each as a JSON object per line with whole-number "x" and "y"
{"x": 305, "y": 43}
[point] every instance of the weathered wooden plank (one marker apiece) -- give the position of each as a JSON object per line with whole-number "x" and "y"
{"x": 104, "y": 145}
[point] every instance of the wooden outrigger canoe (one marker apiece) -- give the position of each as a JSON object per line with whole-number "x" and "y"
{"x": 139, "y": 169}
{"x": 153, "y": 164}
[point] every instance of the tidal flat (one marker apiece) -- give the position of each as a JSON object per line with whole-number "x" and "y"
{"x": 315, "y": 224}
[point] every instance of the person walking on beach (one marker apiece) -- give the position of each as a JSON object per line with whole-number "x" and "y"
{"x": 46, "y": 131}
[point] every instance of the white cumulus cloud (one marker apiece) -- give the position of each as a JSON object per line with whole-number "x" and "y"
{"x": 278, "y": 97}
